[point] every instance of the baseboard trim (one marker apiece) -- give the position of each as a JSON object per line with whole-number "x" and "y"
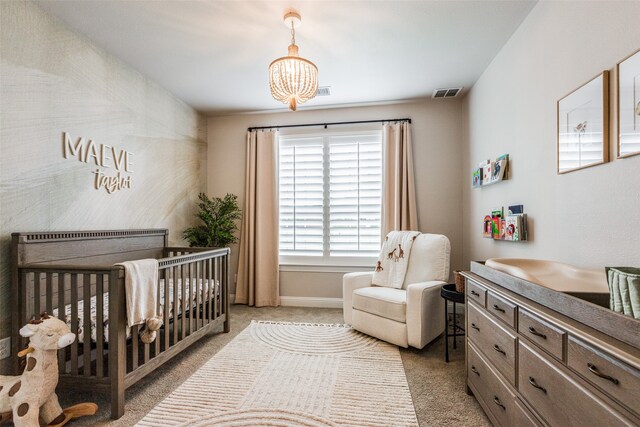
{"x": 286, "y": 301}
{"x": 320, "y": 302}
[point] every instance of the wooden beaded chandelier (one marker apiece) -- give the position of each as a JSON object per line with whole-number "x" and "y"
{"x": 292, "y": 79}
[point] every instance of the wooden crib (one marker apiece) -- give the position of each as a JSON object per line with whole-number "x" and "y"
{"x": 73, "y": 274}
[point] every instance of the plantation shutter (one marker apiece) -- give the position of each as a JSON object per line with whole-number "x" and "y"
{"x": 301, "y": 197}
{"x": 330, "y": 196}
{"x": 355, "y": 183}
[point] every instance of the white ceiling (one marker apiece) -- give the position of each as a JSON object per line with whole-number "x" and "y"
{"x": 214, "y": 54}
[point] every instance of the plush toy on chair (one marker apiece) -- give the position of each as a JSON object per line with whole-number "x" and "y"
{"x": 31, "y": 396}
{"x": 411, "y": 311}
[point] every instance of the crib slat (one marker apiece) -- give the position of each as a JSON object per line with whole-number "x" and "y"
{"x": 224, "y": 294}
{"x": 207, "y": 294}
{"x": 74, "y": 322}
{"x": 99, "y": 325}
{"x": 212, "y": 287}
{"x": 192, "y": 296}
{"x": 62, "y": 315}
{"x": 217, "y": 296}
{"x": 176, "y": 271}
{"x": 49, "y": 296}
{"x": 203, "y": 292}
{"x": 216, "y": 278}
{"x": 167, "y": 306}
{"x": 36, "y": 295}
{"x": 146, "y": 352}
{"x": 161, "y": 274}
{"x": 183, "y": 329}
{"x": 199, "y": 289}
{"x": 86, "y": 345}
{"x": 192, "y": 288}
{"x": 117, "y": 341}
{"x": 134, "y": 346}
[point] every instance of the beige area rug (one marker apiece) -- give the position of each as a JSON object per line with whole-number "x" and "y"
{"x": 293, "y": 374}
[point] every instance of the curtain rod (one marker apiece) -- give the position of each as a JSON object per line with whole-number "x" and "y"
{"x": 328, "y": 124}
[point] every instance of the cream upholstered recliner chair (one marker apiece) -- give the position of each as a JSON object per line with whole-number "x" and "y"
{"x": 410, "y": 316}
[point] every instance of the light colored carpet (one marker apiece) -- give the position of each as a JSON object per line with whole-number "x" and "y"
{"x": 437, "y": 388}
{"x": 294, "y": 374}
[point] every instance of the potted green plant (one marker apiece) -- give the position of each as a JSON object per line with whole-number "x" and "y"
{"x": 218, "y": 227}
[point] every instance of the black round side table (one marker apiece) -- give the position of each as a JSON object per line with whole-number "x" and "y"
{"x": 449, "y": 293}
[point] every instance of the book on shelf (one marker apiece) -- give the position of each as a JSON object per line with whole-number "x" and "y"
{"x": 496, "y": 221}
{"x": 499, "y": 167}
{"x": 495, "y": 228}
{"x": 486, "y": 172}
{"x": 476, "y": 179}
{"x": 515, "y": 210}
{"x": 504, "y": 165}
{"x": 516, "y": 227}
{"x": 487, "y": 227}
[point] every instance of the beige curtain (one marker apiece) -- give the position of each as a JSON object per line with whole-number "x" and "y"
{"x": 258, "y": 277}
{"x": 398, "y": 190}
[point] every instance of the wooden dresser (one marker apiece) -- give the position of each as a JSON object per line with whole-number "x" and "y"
{"x": 531, "y": 363}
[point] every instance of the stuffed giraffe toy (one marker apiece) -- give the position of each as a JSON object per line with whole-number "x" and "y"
{"x": 32, "y": 396}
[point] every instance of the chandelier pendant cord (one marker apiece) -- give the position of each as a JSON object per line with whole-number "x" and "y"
{"x": 293, "y": 34}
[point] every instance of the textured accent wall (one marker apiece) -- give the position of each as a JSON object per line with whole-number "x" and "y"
{"x": 53, "y": 80}
{"x": 590, "y": 217}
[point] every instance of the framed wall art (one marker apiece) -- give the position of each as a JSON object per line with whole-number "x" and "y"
{"x": 628, "y": 86}
{"x": 583, "y": 126}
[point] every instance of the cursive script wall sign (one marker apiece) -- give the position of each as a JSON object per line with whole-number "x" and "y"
{"x": 103, "y": 156}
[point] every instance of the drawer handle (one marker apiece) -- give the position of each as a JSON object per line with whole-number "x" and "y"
{"x": 474, "y": 370}
{"x": 474, "y": 293}
{"x": 536, "y": 333}
{"x": 497, "y": 402}
{"x": 473, "y": 325}
{"x": 594, "y": 370}
{"x": 532, "y": 381}
{"x": 497, "y": 308}
{"x": 497, "y": 348}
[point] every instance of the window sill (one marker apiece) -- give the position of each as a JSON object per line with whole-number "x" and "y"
{"x": 323, "y": 268}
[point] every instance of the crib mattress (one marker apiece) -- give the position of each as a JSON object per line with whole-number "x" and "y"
{"x": 191, "y": 291}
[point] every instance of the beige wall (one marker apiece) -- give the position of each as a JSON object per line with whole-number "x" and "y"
{"x": 589, "y": 217}
{"x": 53, "y": 80}
{"x": 437, "y": 137}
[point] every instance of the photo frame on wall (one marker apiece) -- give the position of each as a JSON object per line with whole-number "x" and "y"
{"x": 583, "y": 126}
{"x": 628, "y": 87}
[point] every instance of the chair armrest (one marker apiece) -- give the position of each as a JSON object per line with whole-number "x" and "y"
{"x": 351, "y": 282}
{"x": 425, "y": 312}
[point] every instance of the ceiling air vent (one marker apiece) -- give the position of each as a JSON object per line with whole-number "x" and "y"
{"x": 324, "y": 91}
{"x": 446, "y": 93}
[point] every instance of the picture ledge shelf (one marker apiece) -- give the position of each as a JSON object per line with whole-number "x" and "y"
{"x": 490, "y": 172}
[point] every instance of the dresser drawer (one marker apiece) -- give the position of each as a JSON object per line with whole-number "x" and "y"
{"x": 495, "y": 394}
{"x": 476, "y": 292}
{"x": 497, "y": 344}
{"x": 501, "y": 308}
{"x": 614, "y": 377}
{"x": 524, "y": 417}
{"x": 544, "y": 334}
{"x": 557, "y": 397}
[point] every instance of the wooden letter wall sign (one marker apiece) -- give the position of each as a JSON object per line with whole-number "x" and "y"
{"x": 103, "y": 156}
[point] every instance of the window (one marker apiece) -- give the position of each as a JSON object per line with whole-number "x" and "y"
{"x": 330, "y": 198}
